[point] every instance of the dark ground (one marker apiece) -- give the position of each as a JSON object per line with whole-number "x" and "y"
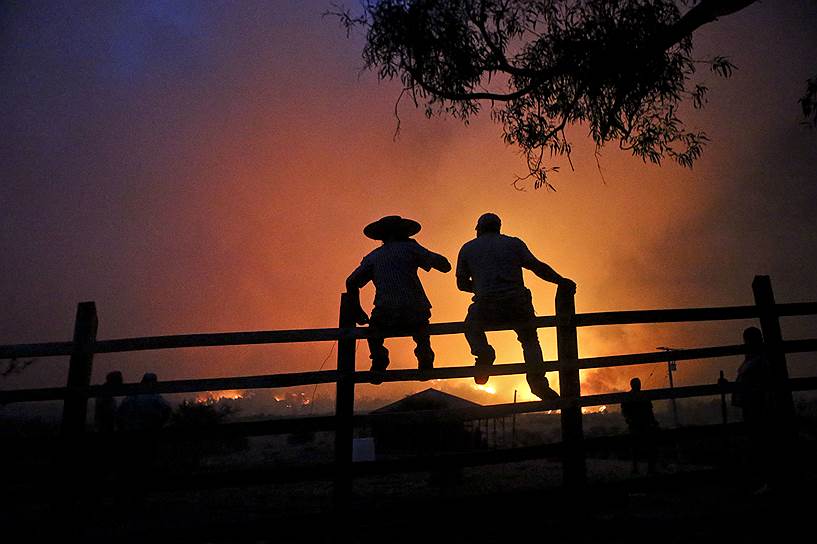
{"x": 704, "y": 491}
{"x": 695, "y": 506}
{"x": 498, "y": 503}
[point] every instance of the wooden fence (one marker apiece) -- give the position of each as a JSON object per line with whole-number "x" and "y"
{"x": 572, "y": 447}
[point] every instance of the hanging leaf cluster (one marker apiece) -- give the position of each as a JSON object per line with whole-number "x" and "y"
{"x": 620, "y": 70}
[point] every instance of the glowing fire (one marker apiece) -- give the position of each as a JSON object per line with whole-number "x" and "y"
{"x": 486, "y": 388}
{"x": 293, "y": 400}
{"x": 216, "y": 396}
{"x": 594, "y": 410}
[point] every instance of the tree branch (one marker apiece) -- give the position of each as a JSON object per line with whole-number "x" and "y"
{"x": 484, "y": 95}
{"x": 703, "y": 13}
{"x": 503, "y": 62}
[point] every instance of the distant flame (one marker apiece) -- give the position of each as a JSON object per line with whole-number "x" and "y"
{"x": 293, "y": 400}
{"x": 486, "y": 388}
{"x": 215, "y": 396}
{"x": 593, "y": 410}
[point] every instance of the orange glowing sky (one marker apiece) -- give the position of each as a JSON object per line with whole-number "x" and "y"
{"x": 197, "y": 168}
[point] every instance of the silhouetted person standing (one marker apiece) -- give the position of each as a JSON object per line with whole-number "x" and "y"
{"x": 400, "y": 303}
{"x": 753, "y": 394}
{"x": 145, "y": 412}
{"x": 490, "y": 266}
{"x": 754, "y": 380}
{"x": 109, "y": 451}
{"x": 641, "y": 422}
{"x": 105, "y": 405}
{"x": 140, "y": 414}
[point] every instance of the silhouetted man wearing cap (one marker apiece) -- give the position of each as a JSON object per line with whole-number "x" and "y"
{"x": 490, "y": 266}
{"x": 400, "y": 303}
{"x": 638, "y": 413}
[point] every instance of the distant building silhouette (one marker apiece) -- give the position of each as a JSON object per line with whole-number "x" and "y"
{"x": 429, "y": 435}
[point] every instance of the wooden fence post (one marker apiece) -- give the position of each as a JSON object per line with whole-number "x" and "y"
{"x": 344, "y": 405}
{"x": 75, "y": 408}
{"x": 573, "y": 461}
{"x": 773, "y": 338}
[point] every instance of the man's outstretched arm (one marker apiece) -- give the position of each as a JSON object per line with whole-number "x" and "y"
{"x": 427, "y": 259}
{"x": 544, "y": 270}
{"x": 547, "y": 273}
{"x": 439, "y": 262}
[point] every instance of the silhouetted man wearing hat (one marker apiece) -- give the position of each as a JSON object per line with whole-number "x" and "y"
{"x": 490, "y": 266}
{"x": 400, "y": 303}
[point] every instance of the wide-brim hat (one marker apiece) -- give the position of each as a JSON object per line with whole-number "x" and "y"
{"x": 391, "y": 226}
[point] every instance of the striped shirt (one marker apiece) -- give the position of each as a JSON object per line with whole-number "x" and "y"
{"x": 494, "y": 263}
{"x": 393, "y": 269}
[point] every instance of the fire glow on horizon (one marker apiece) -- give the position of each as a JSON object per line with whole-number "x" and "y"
{"x": 212, "y": 397}
{"x": 486, "y": 389}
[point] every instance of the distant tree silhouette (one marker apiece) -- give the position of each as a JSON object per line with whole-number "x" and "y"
{"x": 622, "y": 69}
{"x": 191, "y": 415}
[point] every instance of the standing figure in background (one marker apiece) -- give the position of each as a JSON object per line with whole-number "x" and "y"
{"x": 400, "y": 303}
{"x": 490, "y": 266}
{"x": 753, "y": 380}
{"x": 753, "y": 395}
{"x": 109, "y": 452}
{"x": 641, "y": 422}
{"x": 145, "y": 412}
{"x": 105, "y": 405}
{"x": 137, "y": 416}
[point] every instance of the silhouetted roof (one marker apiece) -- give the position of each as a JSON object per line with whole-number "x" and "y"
{"x": 430, "y": 399}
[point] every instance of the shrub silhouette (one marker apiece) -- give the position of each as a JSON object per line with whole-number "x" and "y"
{"x": 195, "y": 416}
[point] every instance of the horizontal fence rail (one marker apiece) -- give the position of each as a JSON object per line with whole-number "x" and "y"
{"x": 402, "y": 375}
{"x": 223, "y": 339}
{"x": 571, "y": 449}
{"x": 471, "y": 413}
